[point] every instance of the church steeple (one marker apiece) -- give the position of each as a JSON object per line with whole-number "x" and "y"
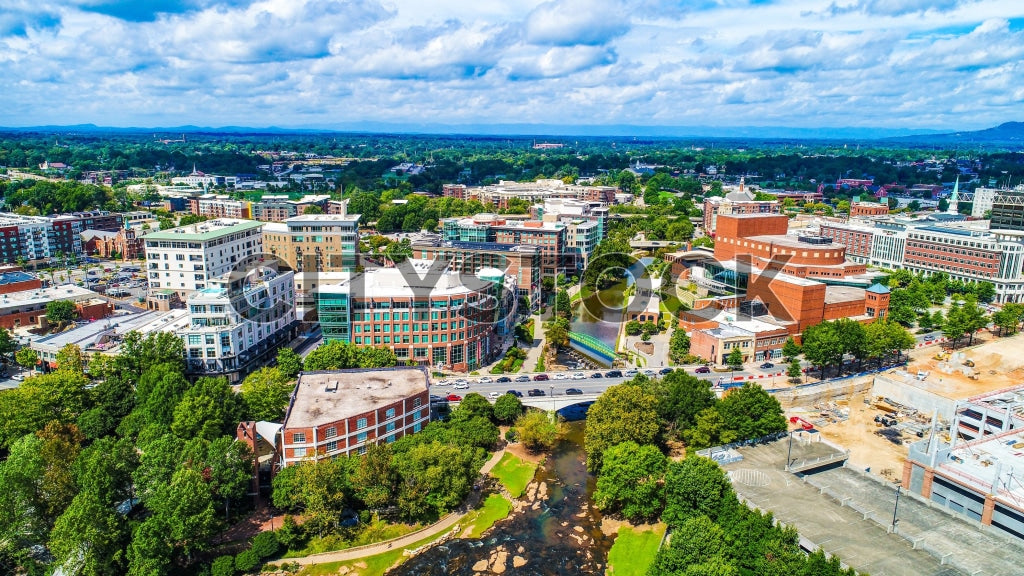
{"x": 954, "y": 198}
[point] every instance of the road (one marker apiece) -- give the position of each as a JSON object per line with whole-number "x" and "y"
{"x": 589, "y": 385}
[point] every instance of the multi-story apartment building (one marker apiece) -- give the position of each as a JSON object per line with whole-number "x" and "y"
{"x": 566, "y": 210}
{"x": 964, "y": 250}
{"x": 26, "y": 237}
{"x": 1007, "y": 208}
{"x": 315, "y": 242}
{"x": 422, "y": 311}
{"x": 548, "y": 237}
{"x": 522, "y": 262}
{"x": 739, "y": 202}
{"x": 278, "y": 207}
{"x": 236, "y": 324}
{"x": 219, "y": 206}
{"x": 341, "y": 412}
{"x": 187, "y": 258}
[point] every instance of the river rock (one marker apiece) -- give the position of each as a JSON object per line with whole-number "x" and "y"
{"x": 518, "y": 561}
{"x": 520, "y": 549}
{"x": 500, "y": 562}
{"x": 480, "y": 565}
{"x": 578, "y": 528}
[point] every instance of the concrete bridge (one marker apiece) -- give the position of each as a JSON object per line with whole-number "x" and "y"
{"x": 556, "y": 402}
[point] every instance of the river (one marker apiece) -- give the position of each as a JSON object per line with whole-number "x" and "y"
{"x": 555, "y": 533}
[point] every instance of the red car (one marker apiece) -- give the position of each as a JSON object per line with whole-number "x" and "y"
{"x": 454, "y": 398}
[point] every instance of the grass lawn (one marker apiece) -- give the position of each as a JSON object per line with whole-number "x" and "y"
{"x": 514, "y": 473}
{"x": 633, "y": 552}
{"x": 494, "y": 508}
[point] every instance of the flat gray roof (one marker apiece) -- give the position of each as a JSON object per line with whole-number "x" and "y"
{"x": 330, "y": 395}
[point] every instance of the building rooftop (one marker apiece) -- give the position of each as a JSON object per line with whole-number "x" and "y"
{"x": 412, "y": 278}
{"x": 323, "y": 218}
{"x": 104, "y": 335}
{"x": 41, "y": 296}
{"x": 877, "y": 288}
{"x": 837, "y": 294}
{"x": 992, "y": 463}
{"x": 208, "y": 230}
{"x": 12, "y": 277}
{"x": 331, "y": 395}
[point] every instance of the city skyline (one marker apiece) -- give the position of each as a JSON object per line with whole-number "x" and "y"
{"x": 944, "y": 65}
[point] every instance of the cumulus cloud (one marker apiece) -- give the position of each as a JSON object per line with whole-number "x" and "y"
{"x": 306, "y": 62}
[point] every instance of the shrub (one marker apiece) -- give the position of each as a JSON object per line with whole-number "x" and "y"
{"x": 511, "y": 435}
{"x": 247, "y": 561}
{"x": 265, "y": 544}
{"x": 223, "y": 566}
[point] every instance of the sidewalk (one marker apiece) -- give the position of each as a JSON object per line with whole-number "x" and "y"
{"x": 442, "y": 525}
{"x": 534, "y": 352}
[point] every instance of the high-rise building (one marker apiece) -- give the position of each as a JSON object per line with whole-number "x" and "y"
{"x": 187, "y": 258}
{"x": 315, "y": 242}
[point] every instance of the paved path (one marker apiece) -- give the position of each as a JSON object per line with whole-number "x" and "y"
{"x": 438, "y": 527}
{"x": 534, "y": 352}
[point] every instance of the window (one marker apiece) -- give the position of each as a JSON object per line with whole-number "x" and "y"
{"x": 300, "y": 452}
{"x": 361, "y": 423}
{"x": 332, "y": 446}
{"x": 331, "y": 432}
{"x": 390, "y": 413}
{"x": 416, "y": 402}
{"x": 391, "y": 427}
{"x": 361, "y": 437}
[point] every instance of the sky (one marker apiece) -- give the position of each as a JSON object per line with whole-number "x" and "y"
{"x": 918, "y": 64}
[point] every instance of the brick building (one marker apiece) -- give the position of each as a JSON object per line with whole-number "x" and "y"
{"x": 27, "y": 308}
{"x": 126, "y": 243}
{"x": 740, "y": 202}
{"x": 868, "y": 209}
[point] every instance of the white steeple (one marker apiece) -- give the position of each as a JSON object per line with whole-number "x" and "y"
{"x": 954, "y": 198}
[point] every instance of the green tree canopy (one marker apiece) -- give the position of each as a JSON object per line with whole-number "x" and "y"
{"x": 623, "y": 413}
{"x": 630, "y": 481}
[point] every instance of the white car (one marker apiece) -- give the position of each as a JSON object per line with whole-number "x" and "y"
{"x": 485, "y": 380}
{"x": 442, "y": 383}
{"x": 494, "y": 395}
{"x": 579, "y": 376}
{"x": 461, "y": 386}
{"x": 17, "y": 377}
{"x": 561, "y": 376}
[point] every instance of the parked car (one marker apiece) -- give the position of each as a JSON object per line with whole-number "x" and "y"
{"x": 442, "y": 383}
{"x": 573, "y": 391}
{"x": 494, "y": 395}
{"x": 579, "y": 376}
{"x": 537, "y": 392}
{"x": 454, "y": 398}
{"x": 540, "y": 377}
{"x": 523, "y": 378}
{"x": 561, "y": 376}
{"x": 436, "y": 398}
{"x": 597, "y": 375}
{"x": 502, "y": 379}
{"x": 650, "y": 373}
{"x": 515, "y": 393}
{"x": 767, "y": 365}
{"x": 485, "y": 380}
{"x": 613, "y": 374}
{"x": 703, "y": 370}
{"x": 630, "y": 373}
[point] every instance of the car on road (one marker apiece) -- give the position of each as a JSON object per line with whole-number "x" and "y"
{"x": 613, "y": 374}
{"x": 540, "y": 377}
{"x": 579, "y": 376}
{"x": 502, "y": 379}
{"x": 523, "y": 378}
{"x": 494, "y": 395}
{"x": 630, "y": 373}
{"x": 703, "y": 370}
{"x": 597, "y": 375}
{"x": 650, "y": 373}
{"x": 18, "y": 377}
{"x": 537, "y": 392}
{"x": 443, "y": 383}
{"x": 485, "y": 380}
{"x": 454, "y": 398}
{"x": 665, "y": 370}
{"x": 573, "y": 391}
{"x": 461, "y": 386}
{"x": 515, "y": 393}
{"x": 561, "y": 376}
{"x": 767, "y": 365}
{"x": 436, "y": 398}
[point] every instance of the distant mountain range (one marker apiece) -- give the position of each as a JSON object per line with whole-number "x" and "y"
{"x": 1010, "y": 133}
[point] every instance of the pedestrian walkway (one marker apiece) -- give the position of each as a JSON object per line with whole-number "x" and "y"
{"x": 442, "y": 525}
{"x": 534, "y": 352}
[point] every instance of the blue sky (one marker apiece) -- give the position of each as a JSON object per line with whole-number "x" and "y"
{"x": 938, "y": 64}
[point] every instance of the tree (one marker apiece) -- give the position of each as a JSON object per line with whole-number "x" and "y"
{"x": 209, "y": 409}
{"x": 633, "y": 328}
{"x": 681, "y": 397}
{"x": 563, "y": 306}
{"x": 90, "y": 536}
{"x": 26, "y": 357}
{"x": 794, "y": 372}
{"x": 224, "y": 565}
{"x": 823, "y": 346}
{"x": 246, "y": 561}
{"x": 266, "y": 393}
{"x": 678, "y": 346}
{"x": 695, "y": 543}
{"x": 694, "y": 487}
{"x": 956, "y": 324}
{"x": 790, "y": 349}
{"x": 735, "y": 359}
{"x": 7, "y": 343}
{"x": 557, "y": 333}
{"x": 630, "y": 481}
{"x": 623, "y": 413}
{"x": 23, "y": 522}
{"x": 338, "y": 355}
{"x": 751, "y": 412}
{"x": 288, "y": 362}
{"x": 507, "y": 408}
{"x": 537, "y": 431}
{"x": 61, "y": 312}
{"x": 708, "y": 430}
{"x": 434, "y": 477}
{"x": 473, "y": 405}
{"x": 374, "y": 478}
{"x": 265, "y": 544}
{"x": 186, "y": 511}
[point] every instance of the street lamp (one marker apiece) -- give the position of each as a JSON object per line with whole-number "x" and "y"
{"x": 895, "y": 507}
{"x": 552, "y": 387}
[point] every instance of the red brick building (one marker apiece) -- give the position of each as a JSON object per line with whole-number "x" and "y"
{"x": 127, "y": 243}
{"x": 868, "y": 209}
{"x": 340, "y": 412}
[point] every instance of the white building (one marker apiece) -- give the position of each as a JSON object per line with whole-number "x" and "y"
{"x": 198, "y": 179}
{"x": 187, "y": 258}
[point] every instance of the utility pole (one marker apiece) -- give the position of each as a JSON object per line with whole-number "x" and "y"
{"x": 789, "y": 452}
{"x": 896, "y": 507}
